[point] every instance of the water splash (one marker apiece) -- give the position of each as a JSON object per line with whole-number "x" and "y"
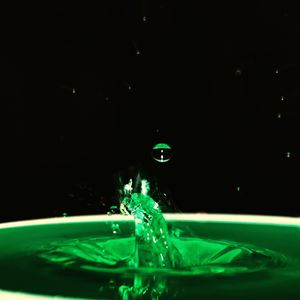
{"x": 153, "y": 254}
{"x": 153, "y": 248}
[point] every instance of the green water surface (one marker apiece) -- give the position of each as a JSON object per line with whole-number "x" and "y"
{"x": 218, "y": 260}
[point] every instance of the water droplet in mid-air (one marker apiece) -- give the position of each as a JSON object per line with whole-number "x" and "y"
{"x": 162, "y": 152}
{"x": 114, "y": 209}
{"x": 238, "y": 72}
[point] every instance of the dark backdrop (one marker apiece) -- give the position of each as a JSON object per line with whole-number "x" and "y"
{"x": 88, "y": 87}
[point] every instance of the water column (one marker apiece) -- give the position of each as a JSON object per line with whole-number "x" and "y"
{"x": 153, "y": 248}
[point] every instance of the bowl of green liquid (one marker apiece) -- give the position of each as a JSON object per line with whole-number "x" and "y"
{"x": 215, "y": 256}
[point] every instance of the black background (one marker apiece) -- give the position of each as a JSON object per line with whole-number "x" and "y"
{"x": 208, "y": 79}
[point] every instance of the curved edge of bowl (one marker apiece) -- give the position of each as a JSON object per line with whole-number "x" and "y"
{"x": 200, "y": 217}
{"x": 9, "y": 295}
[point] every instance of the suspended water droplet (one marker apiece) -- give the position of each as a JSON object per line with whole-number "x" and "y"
{"x": 144, "y": 18}
{"x": 136, "y": 47}
{"x": 161, "y": 152}
{"x": 73, "y": 91}
{"x": 238, "y": 72}
{"x": 113, "y": 209}
{"x": 288, "y": 154}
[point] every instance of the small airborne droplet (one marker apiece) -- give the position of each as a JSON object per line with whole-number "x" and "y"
{"x": 238, "y": 72}
{"x": 161, "y": 152}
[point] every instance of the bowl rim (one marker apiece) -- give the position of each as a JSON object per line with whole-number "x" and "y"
{"x": 199, "y": 217}
{"x": 10, "y": 295}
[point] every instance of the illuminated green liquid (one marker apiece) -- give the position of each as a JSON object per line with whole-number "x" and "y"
{"x": 242, "y": 261}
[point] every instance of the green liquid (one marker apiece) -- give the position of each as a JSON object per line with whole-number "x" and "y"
{"x": 221, "y": 261}
{"x": 155, "y": 249}
{"x": 197, "y": 257}
{"x": 153, "y": 246}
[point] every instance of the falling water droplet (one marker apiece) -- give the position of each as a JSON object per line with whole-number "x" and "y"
{"x": 64, "y": 214}
{"x": 161, "y": 152}
{"x": 113, "y": 209}
{"x": 73, "y": 91}
{"x": 238, "y": 72}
